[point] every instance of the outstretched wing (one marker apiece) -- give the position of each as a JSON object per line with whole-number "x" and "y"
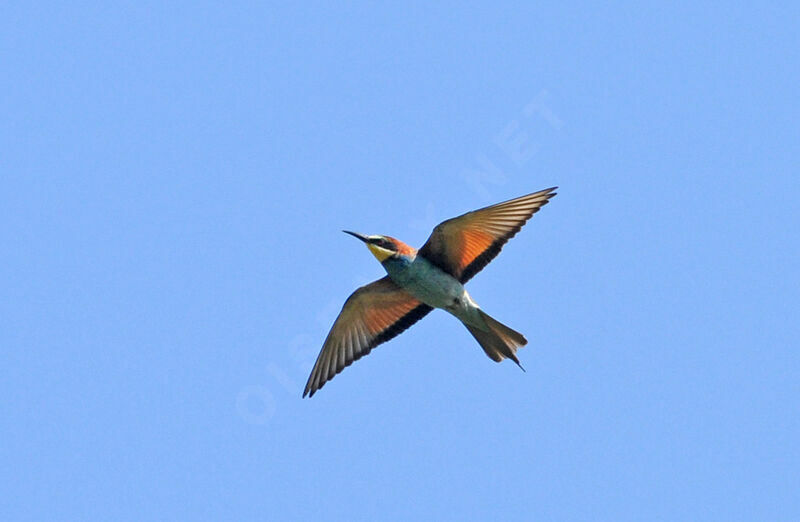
{"x": 372, "y": 315}
{"x": 462, "y": 246}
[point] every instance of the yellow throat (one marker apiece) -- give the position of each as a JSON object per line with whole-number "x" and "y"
{"x": 381, "y": 253}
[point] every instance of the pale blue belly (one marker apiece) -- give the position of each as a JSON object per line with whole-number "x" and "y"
{"x": 426, "y": 282}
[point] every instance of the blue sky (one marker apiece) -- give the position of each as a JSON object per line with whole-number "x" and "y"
{"x": 174, "y": 182}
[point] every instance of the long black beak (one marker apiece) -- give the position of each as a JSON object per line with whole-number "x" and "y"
{"x": 362, "y": 237}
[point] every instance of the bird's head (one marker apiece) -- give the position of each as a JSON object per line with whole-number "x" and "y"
{"x": 383, "y": 247}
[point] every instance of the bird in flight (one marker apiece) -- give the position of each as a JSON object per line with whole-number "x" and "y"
{"x": 420, "y": 280}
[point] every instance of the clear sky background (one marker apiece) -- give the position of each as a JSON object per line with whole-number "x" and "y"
{"x": 174, "y": 179}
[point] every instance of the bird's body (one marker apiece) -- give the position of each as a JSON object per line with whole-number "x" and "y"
{"x": 418, "y": 281}
{"x": 433, "y": 286}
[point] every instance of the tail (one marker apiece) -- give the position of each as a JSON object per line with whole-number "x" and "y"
{"x": 500, "y": 341}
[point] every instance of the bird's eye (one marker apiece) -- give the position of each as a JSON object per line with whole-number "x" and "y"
{"x": 383, "y": 243}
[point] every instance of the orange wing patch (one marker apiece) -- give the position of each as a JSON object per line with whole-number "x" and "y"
{"x": 380, "y": 316}
{"x": 462, "y": 246}
{"x": 473, "y": 243}
{"x": 372, "y": 315}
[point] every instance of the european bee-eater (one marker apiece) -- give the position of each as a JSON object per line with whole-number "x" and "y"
{"x": 420, "y": 280}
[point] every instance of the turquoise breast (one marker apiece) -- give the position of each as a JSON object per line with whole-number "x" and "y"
{"x": 424, "y": 280}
